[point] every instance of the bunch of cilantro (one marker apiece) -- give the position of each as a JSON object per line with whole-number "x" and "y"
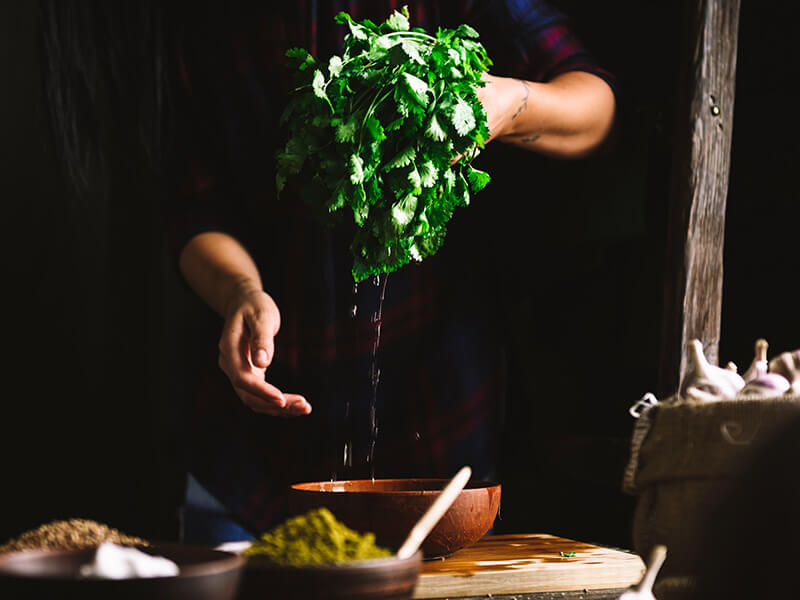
{"x": 374, "y": 134}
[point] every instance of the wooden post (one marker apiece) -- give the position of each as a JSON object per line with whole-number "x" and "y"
{"x": 699, "y": 186}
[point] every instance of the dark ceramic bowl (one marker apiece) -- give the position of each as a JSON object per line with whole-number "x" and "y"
{"x": 390, "y": 507}
{"x": 205, "y": 574}
{"x": 374, "y": 579}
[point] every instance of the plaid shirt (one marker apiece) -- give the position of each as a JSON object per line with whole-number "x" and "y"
{"x": 440, "y": 354}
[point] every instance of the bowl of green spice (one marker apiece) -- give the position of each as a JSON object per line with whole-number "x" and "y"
{"x": 314, "y": 556}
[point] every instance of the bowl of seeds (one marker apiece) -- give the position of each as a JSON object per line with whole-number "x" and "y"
{"x": 59, "y": 560}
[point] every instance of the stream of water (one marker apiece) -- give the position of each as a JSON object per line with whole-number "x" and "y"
{"x": 375, "y": 373}
{"x": 374, "y": 378}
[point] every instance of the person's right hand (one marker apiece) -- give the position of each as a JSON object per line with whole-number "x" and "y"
{"x": 246, "y": 348}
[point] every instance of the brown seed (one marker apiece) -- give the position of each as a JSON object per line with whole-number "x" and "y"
{"x": 67, "y": 535}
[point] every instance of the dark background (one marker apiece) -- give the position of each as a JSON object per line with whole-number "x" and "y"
{"x": 96, "y": 320}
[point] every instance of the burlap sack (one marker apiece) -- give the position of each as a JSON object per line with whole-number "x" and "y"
{"x": 683, "y": 455}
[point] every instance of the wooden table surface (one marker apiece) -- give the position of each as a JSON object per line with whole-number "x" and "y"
{"x": 528, "y": 567}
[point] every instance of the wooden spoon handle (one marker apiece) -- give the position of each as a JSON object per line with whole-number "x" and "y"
{"x": 435, "y": 512}
{"x": 657, "y": 556}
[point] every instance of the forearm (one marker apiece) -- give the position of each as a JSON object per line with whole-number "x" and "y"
{"x": 567, "y": 117}
{"x": 217, "y": 267}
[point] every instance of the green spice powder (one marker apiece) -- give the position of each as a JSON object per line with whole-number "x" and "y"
{"x": 313, "y": 538}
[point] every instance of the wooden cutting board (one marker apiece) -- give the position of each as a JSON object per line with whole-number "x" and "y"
{"x": 527, "y": 563}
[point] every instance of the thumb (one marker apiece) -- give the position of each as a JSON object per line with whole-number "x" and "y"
{"x": 262, "y": 345}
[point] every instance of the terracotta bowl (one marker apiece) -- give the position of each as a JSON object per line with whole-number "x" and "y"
{"x": 390, "y": 507}
{"x": 205, "y": 574}
{"x": 375, "y": 579}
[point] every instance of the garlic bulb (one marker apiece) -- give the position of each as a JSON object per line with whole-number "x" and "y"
{"x": 705, "y": 382}
{"x": 759, "y": 366}
{"x": 768, "y": 384}
{"x": 788, "y": 365}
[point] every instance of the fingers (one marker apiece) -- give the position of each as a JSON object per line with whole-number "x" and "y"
{"x": 233, "y": 360}
{"x": 254, "y": 385}
{"x": 262, "y": 324}
{"x": 296, "y": 405}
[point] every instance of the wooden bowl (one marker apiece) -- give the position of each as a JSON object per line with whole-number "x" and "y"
{"x": 205, "y": 574}
{"x": 374, "y": 579}
{"x": 390, "y": 507}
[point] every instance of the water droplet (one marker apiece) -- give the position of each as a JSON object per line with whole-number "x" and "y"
{"x": 375, "y": 317}
{"x": 333, "y": 476}
{"x": 353, "y": 310}
{"x": 346, "y": 460}
{"x": 376, "y": 280}
{"x": 416, "y": 435}
{"x": 355, "y": 288}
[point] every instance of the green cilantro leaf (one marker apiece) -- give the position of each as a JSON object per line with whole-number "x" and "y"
{"x": 435, "y": 130}
{"x": 398, "y": 22}
{"x": 402, "y": 158}
{"x": 418, "y": 88}
{"x": 477, "y": 179}
{"x": 412, "y": 50}
{"x": 462, "y": 117}
{"x": 356, "y": 169}
{"x": 300, "y": 58}
{"x": 428, "y": 174}
{"x": 403, "y": 211}
{"x": 318, "y": 85}
{"x": 466, "y": 31}
{"x": 345, "y": 129}
{"x": 415, "y": 179}
{"x": 335, "y": 66}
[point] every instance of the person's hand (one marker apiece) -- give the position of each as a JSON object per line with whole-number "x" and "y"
{"x": 497, "y": 101}
{"x": 498, "y": 97}
{"x": 246, "y": 348}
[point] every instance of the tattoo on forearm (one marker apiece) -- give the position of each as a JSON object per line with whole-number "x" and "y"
{"x": 524, "y": 104}
{"x": 530, "y": 139}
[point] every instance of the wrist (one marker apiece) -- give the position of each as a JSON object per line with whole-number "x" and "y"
{"x": 239, "y": 288}
{"x": 506, "y": 101}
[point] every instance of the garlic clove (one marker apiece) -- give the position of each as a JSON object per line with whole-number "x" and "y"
{"x": 788, "y": 365}
{"x": 731, "y": 366}
{"x": 713, "y": 382}
{"x": 768, "y": 384}
{"x": 698, "y": 394}
{"x": 759, "y": 366}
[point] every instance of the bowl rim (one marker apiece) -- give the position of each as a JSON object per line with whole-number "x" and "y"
{"x": 477, "y": 484}
{"x": 353, "y": 565}
{"x": 226, "y": 561}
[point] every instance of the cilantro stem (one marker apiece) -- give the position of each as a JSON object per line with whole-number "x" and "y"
{"x": 416, "y": 34}
{"x": 370, "y": 110}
